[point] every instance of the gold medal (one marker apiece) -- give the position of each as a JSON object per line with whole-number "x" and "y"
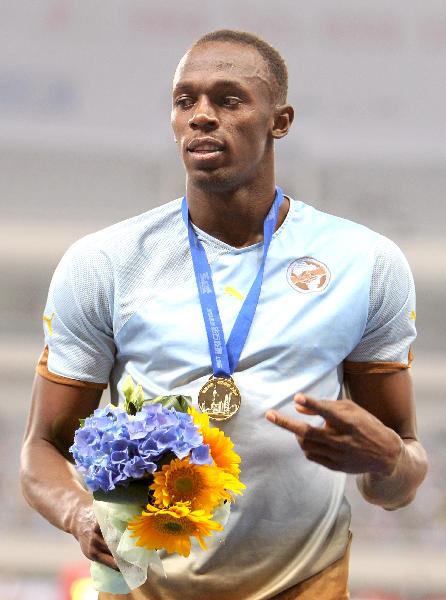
{"x": 219, "y": 398}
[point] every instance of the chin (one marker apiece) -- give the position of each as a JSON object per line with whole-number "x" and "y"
{"x": 213, "y": 181}
{"x": 216, "y": 180}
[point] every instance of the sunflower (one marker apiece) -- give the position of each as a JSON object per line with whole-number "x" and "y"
{"x": 221, "y": 447}
{"x": 204, "y": 486}
{"x": 171, "y": 528}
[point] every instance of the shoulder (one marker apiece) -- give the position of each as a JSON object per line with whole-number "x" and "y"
{"x": 342, "y": 233}
{"x": 332, "y": 226}
{"x": 106, "y": 259}
{"x": 119, "y": 242}
{"x": 124, "y": 265}
{"x": 392, "y": 281}
{"x": 388, "y": 254}
{"x": 347, "y": 246}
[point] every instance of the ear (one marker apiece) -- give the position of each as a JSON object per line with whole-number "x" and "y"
{"x": 283, "y": 118}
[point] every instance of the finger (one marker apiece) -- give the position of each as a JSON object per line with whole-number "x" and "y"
{"x": 304, "y": 410}
{"x": 321, "y": 439}
{"x": 325, "y": 461}
{"x": 97, "y": 529}
{"x": 303, "y": 431}
{"x": 107, "y": 560}
{"x": 298, "y": 399}
{"x": 101, "y": 545}
{"x": 99, "y": 541}
{"x": 299, "y": 428}
{"x": 95, "y": 551}
{"x": 325, "y": 408}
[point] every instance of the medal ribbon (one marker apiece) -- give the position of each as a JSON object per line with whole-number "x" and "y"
{"x": 225, "y": 356}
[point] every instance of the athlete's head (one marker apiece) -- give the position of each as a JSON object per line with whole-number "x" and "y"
{"x": 275, "y": 65}
{"x": 229, "y": 104}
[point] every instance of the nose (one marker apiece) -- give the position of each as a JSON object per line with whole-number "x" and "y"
{"x": 204, "y": 116}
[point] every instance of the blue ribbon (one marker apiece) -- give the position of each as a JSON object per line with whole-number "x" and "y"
{"x": 225, "y": 356}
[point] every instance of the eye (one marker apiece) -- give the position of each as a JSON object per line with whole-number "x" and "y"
{"x": 230, "y": 101}
{"x": 184, "y": 102}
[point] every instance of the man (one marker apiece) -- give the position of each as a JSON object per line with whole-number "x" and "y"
{"x": 332, "y": 302}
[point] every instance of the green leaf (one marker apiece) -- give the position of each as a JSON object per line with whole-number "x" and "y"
{"x": 127, "y": 387}
{"x": 178, "y": 402}
{"x": 138, "y": 396}
{"x": 134, "y": 397}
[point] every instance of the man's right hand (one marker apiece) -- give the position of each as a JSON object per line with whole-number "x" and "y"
{"x": 86, "y": 530}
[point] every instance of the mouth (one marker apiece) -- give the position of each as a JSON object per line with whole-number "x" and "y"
{"x": 205, "y": 148}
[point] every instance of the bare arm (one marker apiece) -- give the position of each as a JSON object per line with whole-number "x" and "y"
{"x": 396, "y": 409}
{"x": 49, "y": 482}
{"x": 372, "y": 435}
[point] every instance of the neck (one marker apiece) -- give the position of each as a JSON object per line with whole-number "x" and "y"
{"x": 235, "y": 217}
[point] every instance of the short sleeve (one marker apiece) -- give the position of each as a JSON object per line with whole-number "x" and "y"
{"x": 390, "y": 330}
{"x": 78, "y": 319}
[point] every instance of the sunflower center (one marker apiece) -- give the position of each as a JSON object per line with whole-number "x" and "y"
{"x": 173, "y": 526}
{"x": 184, "y": 485}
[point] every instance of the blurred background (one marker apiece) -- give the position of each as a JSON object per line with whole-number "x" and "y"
{"x": 85, "y": 141}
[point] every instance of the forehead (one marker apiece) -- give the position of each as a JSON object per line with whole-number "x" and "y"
{"x": 224, "y": 61}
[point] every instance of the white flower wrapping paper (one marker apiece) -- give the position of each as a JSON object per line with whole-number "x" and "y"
{"x": 134, "y": 562}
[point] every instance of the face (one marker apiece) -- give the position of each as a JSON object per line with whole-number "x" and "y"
{"x": 223, "y": 115}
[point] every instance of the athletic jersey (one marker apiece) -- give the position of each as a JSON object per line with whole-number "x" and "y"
{"x": 335, "y": 296}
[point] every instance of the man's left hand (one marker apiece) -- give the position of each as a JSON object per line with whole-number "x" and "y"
{"x": 351, "y": 440}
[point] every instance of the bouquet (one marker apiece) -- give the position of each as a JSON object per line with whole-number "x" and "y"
{"x": 161, "y": 476}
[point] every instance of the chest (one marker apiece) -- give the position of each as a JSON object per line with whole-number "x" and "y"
{"x": 310, "y": 315}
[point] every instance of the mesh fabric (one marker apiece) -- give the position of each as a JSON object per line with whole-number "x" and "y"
{"x": 390, "y": 324}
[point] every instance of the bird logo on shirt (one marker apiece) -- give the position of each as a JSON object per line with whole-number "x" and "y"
{"x": 306, "y": 274}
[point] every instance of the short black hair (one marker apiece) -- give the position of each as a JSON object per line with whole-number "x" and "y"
{"x": 274, "y": 62}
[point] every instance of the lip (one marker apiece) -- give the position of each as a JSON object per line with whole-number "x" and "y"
{"x": 205, "y": 146}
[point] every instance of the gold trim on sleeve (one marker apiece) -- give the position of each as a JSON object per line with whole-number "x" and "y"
{"x": 359, "y": 368}
{"x": 42, "y": 370}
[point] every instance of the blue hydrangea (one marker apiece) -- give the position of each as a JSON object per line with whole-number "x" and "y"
{"x": 113, "y": 447}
